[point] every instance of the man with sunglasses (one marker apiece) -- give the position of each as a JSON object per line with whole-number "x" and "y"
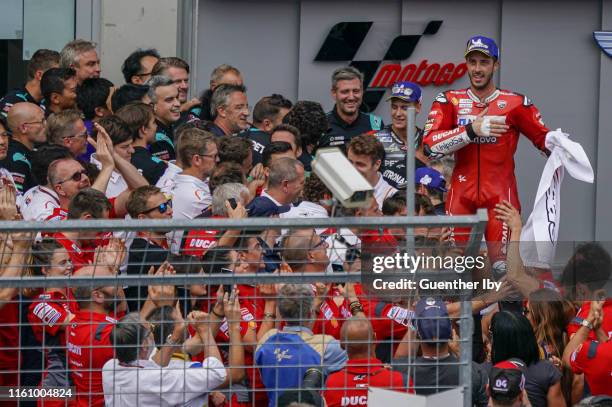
{"x": 26, "y": 121}
{"x": 67, "y": 129}
{"x": 67, "y": 177}
{"x": 149, "y": 248}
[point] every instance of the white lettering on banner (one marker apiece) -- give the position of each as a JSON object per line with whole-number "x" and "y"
{"x": 201, "y": 243}
{"x": 354, "y": 401}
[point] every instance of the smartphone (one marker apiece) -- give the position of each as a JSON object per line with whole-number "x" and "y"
{"x": 233, "y": 203}
{"x": 227, "y": 287}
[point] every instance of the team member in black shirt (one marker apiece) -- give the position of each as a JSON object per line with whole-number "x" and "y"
{"x": 41, "y": 61}
{"x": 267, "y": 114}
{"x": 163, "y": 95}
{"x": 27, "y": 124}
{"x": 141, "y": 121}
{"x": 346, "y": 120}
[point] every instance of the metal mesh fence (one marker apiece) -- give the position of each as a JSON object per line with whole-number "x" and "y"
{"x": 250, "y": 312}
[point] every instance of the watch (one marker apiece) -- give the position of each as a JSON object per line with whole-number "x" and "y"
{"x": 585, "y": 323}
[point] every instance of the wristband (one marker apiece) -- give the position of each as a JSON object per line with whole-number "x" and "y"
{"x": 585, "y": 323}
{"x": 269, "y": 315}
{"x": 217, "y": 315}
{"x": 470, "y": 131}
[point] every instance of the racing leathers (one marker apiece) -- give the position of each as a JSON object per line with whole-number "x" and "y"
{"x": 393, "y": 167}
{"x": 484, "y": 165}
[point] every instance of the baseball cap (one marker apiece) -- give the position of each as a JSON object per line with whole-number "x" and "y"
{"x": 482, "y": 44}
{"x": 263, "y": 207}
{"x": 432, "y": 320}
{"x": 430, "y": 178}
{"x": 406, "y": 91}
{"x": 507, "y": 379}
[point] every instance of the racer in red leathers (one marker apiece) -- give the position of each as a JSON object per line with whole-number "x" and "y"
{"x": 481, "y": 126}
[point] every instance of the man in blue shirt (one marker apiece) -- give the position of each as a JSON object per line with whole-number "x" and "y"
{"x": 284, "y": 356}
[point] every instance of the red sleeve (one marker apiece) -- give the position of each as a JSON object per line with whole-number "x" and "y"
{"x": 112, "y": 214}
{"x": 528, "y": 120}
{"x": 46, "y": 316}
{"x": 579, "y": 357}
{"x": 441, "y": 136}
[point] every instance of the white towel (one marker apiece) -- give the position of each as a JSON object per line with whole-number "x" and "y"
{"x": 539, "y": 236}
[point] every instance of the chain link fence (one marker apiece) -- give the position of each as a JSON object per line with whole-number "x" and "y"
{"x": 248, "y": 312}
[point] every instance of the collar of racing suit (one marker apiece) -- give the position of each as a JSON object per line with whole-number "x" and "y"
{"x": 486, "y": 100}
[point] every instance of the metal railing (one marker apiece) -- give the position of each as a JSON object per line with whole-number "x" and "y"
{"x": 339, "y": 280}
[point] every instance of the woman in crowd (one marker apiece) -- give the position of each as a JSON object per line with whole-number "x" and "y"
{"x": 512, "y": 336}
{"x": 548, "y": 314}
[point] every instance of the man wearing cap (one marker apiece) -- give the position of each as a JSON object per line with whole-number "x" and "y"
{"x": 432, "y": 184}
{"x": 436, "y": 369}
{"x": 394, "y": 136}
{"x": 480, "y": 125}
{"x": 507, "y": 384}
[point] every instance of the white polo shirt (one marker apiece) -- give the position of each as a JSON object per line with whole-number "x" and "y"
{"x": 38, "y": 203}
{"x": 190, "y": 198}
{"x": 166, "y": 181}
{"x": 144, "y": 383}
{"x": 382, "y": 191}
{"x": 116, "y": 184}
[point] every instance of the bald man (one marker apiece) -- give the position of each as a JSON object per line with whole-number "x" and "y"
{"x": 90, "y": 329}
{"x": 349, "y": 387}
{"x": 305, "y": 251}
{"x": 26, "y": 122}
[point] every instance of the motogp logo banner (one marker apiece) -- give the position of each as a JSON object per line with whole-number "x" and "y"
{"x": 345, "y": 38}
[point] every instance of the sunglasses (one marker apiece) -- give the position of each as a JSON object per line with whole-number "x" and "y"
{"x": 162, "y": 208}
{"x": 321, "y": 243}
{"x": 76, "y": 177}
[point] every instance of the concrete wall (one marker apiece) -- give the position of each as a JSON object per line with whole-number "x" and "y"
{"x": 128, "y": 25}
{"x": 547, "y": 48}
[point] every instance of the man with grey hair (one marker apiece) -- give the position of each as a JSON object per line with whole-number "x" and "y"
{"x": 224, "y": 73}
{"x": 163, "y": 96}
{"x": 305, "y": 251}
{"x": 224, "y": 193}
{"x": 285, "y": 185}
{"x": 66, "y": 128}
{"x": 229, "y": 108}
{"x": 345, "y": 119}
{"x": 285, "y": 356}
{"x": 81, "y": 56}
{"x": 135, "y": 378}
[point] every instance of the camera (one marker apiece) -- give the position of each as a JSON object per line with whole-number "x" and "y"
{"x": 347, "y": 185}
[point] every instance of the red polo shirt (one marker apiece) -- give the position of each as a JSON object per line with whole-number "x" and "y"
{"x": 89, "y": 347}
{"x": 349, "y": 386}
{"x": 594, "y": 359}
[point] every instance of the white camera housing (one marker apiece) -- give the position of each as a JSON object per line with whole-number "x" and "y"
{"x": 347, "y": 185}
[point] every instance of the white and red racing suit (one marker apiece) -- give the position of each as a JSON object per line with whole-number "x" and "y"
{"x": 484, "y": 165}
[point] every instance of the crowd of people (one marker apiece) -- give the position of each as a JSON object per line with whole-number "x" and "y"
{"x": 75, "y": 146}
